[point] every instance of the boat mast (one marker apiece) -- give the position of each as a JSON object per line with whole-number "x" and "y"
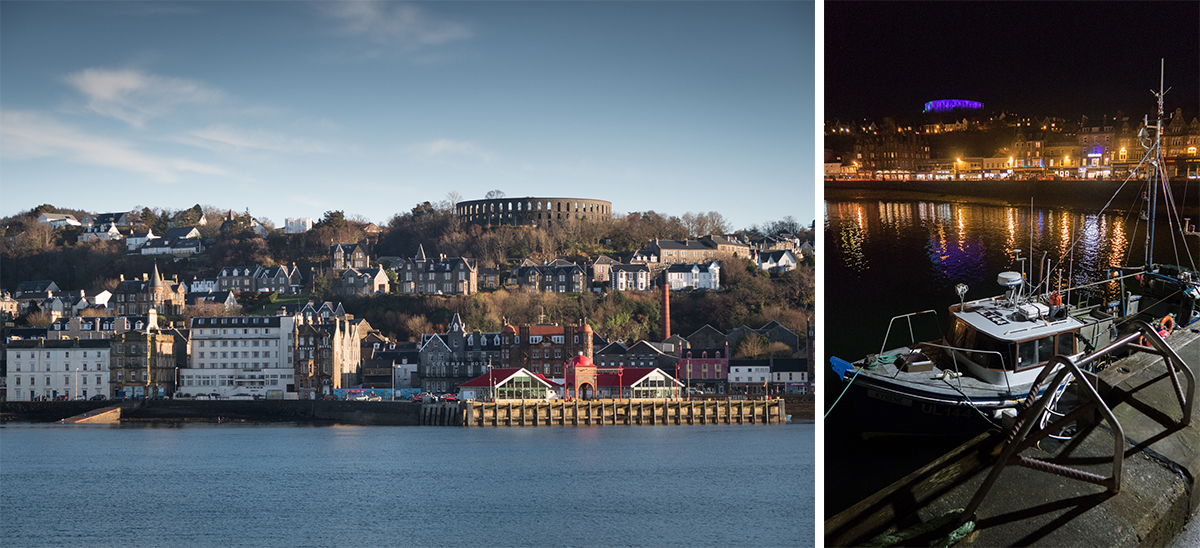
{"x": 1157, "y": 164}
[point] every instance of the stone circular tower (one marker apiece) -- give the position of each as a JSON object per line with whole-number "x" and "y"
{"x": 532, "y": 211}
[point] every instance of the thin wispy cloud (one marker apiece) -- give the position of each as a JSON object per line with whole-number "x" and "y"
{"x": 395, "y": 24}
{"x": 134, "y": 97}
{"x": 223, "y": 137}
{"x": 449, "y": 147}
{"x": 28, "y": 135}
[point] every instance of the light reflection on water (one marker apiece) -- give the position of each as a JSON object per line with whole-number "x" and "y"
{"x": 887, "y": 258}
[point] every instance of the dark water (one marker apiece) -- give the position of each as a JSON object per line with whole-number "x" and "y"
{"x": 267, "y": 485}
{"x": 884, "y": 259}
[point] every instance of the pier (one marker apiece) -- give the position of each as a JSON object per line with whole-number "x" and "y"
{"x": 603, "y": 412}
{"x": 1028, "y": 507}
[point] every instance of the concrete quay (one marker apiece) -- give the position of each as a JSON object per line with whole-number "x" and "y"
{"x": 1030, "y": 507}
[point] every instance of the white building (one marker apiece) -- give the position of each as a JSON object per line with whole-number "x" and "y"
{"x": 139, "y": 239}
{"x": 240, "y": 355}
{"x": 57, "y": 220}
{"x": 48, "y": 369}
{"x": 777, "y": 262}
{"x": 629, "y": 277}
{"x": 297, "y": 225}
{"x": 694, "y": 276}
{"x": 748, "y": 376}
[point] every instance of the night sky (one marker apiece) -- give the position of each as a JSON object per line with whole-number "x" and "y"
{"x": 1029, "y": 58}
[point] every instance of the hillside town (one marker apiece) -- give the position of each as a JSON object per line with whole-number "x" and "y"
{"x": 282, "y": 331}
{"x": 962, "y": 140}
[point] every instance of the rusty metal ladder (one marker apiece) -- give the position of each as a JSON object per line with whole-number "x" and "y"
{"x": 1020, "y": 437}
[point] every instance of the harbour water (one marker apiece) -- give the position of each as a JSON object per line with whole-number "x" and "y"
{"x": 886, "y": 258}
{"x": 288, "y": 485}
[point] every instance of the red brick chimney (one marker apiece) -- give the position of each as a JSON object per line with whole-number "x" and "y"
{"x": 666, "y": 311}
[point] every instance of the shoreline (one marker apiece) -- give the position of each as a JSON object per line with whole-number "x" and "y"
{"x": 1078, "y": 195}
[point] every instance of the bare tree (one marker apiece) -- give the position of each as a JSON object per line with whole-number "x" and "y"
{"x": 454, "y": 198}
{"x": 494, "y": 194}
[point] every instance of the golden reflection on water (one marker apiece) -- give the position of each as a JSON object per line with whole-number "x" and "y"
{"x": 1080, "y": 248}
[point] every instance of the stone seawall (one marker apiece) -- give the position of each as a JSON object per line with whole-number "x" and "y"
{"x": 342, "y": 412}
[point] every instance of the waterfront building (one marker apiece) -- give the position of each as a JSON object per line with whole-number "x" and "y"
{"x": 241, "y": 355}
{"x": 790, "y": 376}
{"x": 449, "y": 359}
{"x": 46, "y": 369}
{"x": 508, "y": 383}
{"x": 544, "y": 348}
{"x": 327, "y": 354}
{"x": 705, "y": 369}
{"x": 636, "y": 383}
{"x": 1097, "y": 148}
{"x": 748, "y": 376}
{"x": 143, "y": 363}
{"x": 94, "y": 327}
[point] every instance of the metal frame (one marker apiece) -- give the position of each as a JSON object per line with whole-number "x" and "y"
{"x": 1020, "y": 438}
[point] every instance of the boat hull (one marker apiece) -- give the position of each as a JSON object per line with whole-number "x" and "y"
{"x": 880, "y": 408}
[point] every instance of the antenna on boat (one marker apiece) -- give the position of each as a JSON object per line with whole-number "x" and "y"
{"x": 961, "y": 289}
{"x": 1157, "y": 165}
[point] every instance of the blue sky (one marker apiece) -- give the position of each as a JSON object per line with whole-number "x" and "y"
{"x": 289, "y": 109}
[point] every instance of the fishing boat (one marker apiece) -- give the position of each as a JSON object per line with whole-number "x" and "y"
{"x": 968, "y": 379}
{"x": 965, "y": 381}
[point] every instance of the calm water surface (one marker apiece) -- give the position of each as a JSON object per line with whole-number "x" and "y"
{"x": 270, "y": 485}
{"x": 887, "y": 258}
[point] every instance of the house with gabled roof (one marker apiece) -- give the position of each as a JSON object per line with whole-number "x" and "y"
{"x": 121, "y": 219}
{"x": 629, "y": 277}
{"x": 559, "y": 276}
{"x": 509, "y": 383}
{"x": 181, "y": 233}
{"x": 437, "y": 276}
{"x": 777, "y": 262}
{"x": 139, "y": 239}
{"x": 451, "y": 358}
{"x": 694, "y": 276}
{"x": 362, "y": 282}
{"x": 99, "y": 233}
{"x": 138, "y": 296}
{"x": 36, "y": 286}
{"x": 343, "y": 256}
{"x": 312, "y": 312}
{"x": 58, "y": 220}
{"x": 600, "y": 268}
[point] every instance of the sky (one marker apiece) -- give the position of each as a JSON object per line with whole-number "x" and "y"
{"x": 1028, "y": 58}
{"x": 291, "y": 109}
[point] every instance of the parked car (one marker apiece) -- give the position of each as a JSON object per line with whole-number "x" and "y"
{"x": 416, "y": 398}
{"x": 449, "y": 397}
{"x": 97, "y": 397}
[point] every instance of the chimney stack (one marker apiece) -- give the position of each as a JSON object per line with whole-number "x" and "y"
{"x": 666, "y": 312}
